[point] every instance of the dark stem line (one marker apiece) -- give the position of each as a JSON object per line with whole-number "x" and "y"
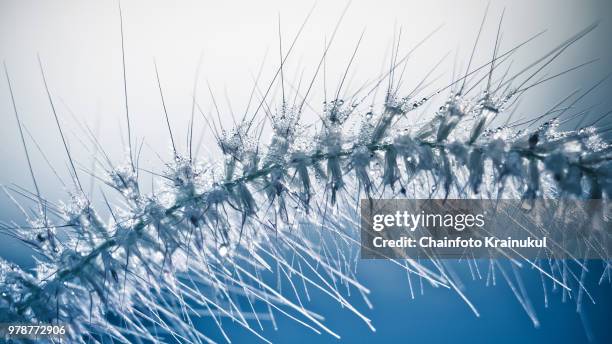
{"x": 161, "y": 94}
{"x": 125, "y": 93}
{"x": 59, "y": 127}
{"x": 23, "y": 142}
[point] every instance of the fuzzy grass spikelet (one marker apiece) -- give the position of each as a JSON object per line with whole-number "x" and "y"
{"x": 248, "y": 237}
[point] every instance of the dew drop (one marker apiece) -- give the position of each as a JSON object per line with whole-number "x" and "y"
{"x": 223, "y": 250}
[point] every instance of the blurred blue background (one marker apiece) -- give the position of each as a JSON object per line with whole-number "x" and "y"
{"x": 440, "y": 316}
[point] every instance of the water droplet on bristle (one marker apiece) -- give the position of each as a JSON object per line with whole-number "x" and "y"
{"x": 223, "y": 250}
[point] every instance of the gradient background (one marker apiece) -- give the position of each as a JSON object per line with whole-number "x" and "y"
{"x": 79, "y": 44}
